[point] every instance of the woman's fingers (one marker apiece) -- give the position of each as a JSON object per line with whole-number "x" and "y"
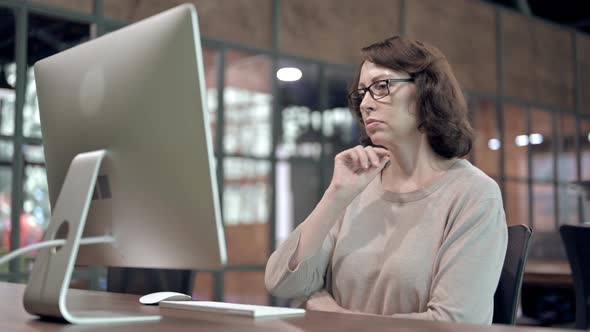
{"x": 363, "y": 157}
{"x": 356, "y": 167}
{"x": 348, "y": 156}
{"x": 381, "y": 152}
{"x": 372, "y": 156}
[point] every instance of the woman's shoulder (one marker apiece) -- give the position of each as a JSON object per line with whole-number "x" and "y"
{"x": 475, "y": 197}
{"x": 472, "y": 181}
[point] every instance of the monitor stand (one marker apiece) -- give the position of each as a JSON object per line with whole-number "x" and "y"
{"x": 48, "y": 285}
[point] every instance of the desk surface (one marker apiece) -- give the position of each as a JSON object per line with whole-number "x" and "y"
{"x": 13, "y": 317}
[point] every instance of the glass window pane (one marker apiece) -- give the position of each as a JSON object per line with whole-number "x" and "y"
{"x": 7, "y": 104}
{"x": 246, "y": 209}
{"x": 515, "y": 136}
{"x": 34, "y": 216}
{"x": 5, "y": 199}
{"x": 248, "y": 104}
{"x": 6, "y": 150}
{"x": 210, "y": 62}
{"x": 568, "y": 205}
{"x": 584, "y": 140}
{"x": 540, "y": 145}
{"x": 543, "y": 208}
{"x": 36, "y": 201}
{"x": 31, "y": 120}
{"x": 338, "y": 81}
{"x": 486, "y": 150}
{"x": 567, "y": 168}
{"x": 516, "y": 202}
{"x": 301, "y": 120}
{"x": 245, "y": 287}
{"x": 34, "y": 153}
{"x": 246, "y": 186}
{"x": 297, "y": 193}
{"x": 7, "y": 71}
{"x": 47, "y": 36}
{"x": 339, "y": 127}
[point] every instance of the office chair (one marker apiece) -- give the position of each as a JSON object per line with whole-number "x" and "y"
{"x": 508, "y": 291}
{"x": 576, "y": 240}
{"x": 144, "y": 281}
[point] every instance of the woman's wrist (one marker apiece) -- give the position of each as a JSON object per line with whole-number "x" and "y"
{"x": 338, "y": 196}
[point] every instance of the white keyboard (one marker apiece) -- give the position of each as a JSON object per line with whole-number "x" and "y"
{"x": 233, "y": 308}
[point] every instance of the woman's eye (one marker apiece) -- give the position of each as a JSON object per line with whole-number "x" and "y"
{"x": 382, "y": 85}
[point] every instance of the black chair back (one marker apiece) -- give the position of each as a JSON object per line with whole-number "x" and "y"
{"x": 508, "y": 291}
{"x": 576, "y": 240}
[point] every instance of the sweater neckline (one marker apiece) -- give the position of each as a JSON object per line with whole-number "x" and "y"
{"x": 419, "y": 194}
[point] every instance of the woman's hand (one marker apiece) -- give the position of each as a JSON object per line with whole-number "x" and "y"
{"x": 355, "y": 168}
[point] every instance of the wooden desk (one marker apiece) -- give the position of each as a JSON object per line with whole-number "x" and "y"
{"x": 548, "y": 273}
{"x": 13, "y": 317}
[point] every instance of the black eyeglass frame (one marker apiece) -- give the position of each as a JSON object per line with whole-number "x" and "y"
{"x": 356, "y": 101}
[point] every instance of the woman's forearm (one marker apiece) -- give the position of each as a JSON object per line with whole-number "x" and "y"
{"x": 317, "y": 225}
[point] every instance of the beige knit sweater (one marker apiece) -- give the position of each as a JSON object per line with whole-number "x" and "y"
{"x": 435, "y": 253}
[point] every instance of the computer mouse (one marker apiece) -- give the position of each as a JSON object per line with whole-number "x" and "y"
{"x": 155, "y": 298}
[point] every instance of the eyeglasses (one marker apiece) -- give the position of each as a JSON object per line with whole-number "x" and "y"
{"x": 377, "y": 90}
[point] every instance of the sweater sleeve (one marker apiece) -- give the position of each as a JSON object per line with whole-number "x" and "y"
{"x": 468, "y": 266}
{"x": 307, "y": 277}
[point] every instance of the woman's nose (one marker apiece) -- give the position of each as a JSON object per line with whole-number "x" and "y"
{"x": 367, "y": 103}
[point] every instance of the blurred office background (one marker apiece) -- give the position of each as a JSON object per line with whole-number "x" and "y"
{"x": 524, "y": 66}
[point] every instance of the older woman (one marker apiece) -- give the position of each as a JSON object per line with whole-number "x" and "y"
{"x": 406, "y": 228}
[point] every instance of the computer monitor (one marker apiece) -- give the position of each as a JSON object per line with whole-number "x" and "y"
{"x": 129, "y": 154}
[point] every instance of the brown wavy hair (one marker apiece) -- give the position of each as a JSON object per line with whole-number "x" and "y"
{"x": 441, "y": 106}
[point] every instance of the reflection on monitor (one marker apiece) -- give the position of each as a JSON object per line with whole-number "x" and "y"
{"x": 129, "y": 154}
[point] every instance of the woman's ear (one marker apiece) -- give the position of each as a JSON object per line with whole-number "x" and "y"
{"x": 413, "y": 107}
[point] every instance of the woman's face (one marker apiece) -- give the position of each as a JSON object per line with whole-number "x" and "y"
{"x": 392, "y": 118}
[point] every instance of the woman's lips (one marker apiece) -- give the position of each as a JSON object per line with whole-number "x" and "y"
{"x": 372, "y": 124}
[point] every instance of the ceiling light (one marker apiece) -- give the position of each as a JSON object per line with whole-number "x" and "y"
{"x": 536, "y": 139}
{"x": 289, "y": 74}
{"x": 494, "y": 144}
{"x": 522, "y": 140}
